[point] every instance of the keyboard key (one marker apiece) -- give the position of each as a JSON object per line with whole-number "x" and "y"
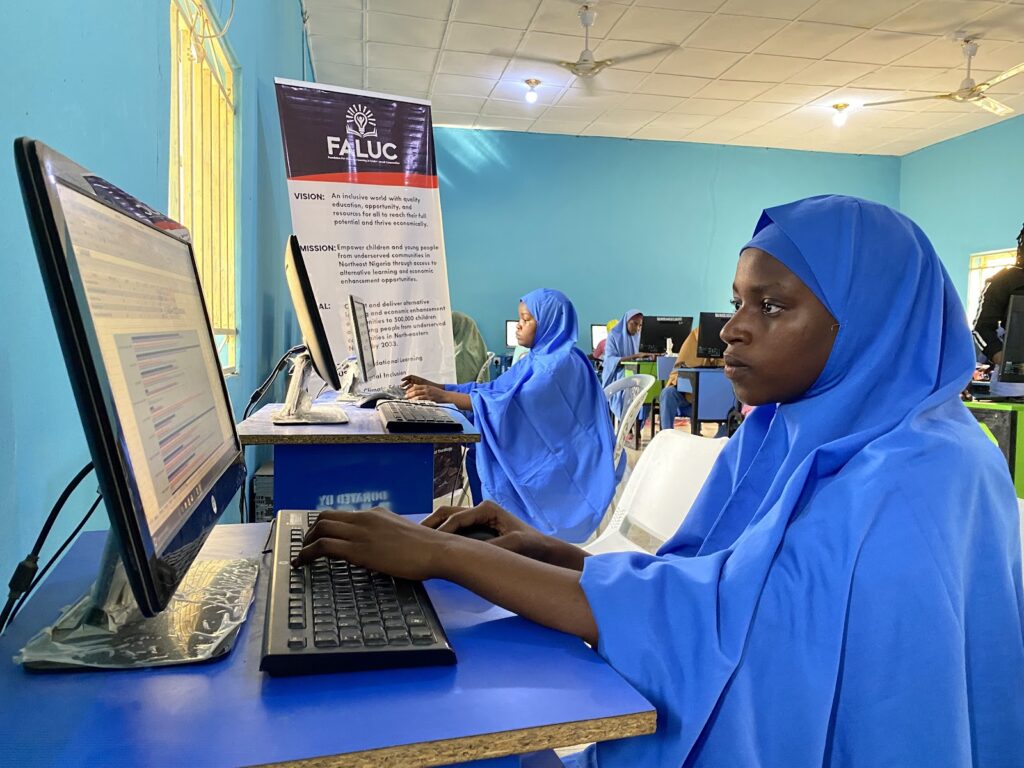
{"x": 296, "y": 641}
{"x": 326, "y": 640}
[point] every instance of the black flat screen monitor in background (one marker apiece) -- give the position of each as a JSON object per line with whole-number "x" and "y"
{"x": 510, "y": 333}
{"x": 361, "y": 339}
{"x": 598, "y": 333}
{"x": 314, "y": 335}
{"x": 658, "y": 329}
{"x": 1012, "y": 368}
{"x": 132, "y": 324}
{"x": 709, "y": 338}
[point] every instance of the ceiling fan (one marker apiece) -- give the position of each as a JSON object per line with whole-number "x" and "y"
{"x": 586, "y": 66}
{"x": 969, "y": 91}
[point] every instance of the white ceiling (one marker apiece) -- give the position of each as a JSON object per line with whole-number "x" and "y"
{"x": 747, "y": 72}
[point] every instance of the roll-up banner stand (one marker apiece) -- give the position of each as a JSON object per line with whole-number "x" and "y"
{"x": 362, "y": 186}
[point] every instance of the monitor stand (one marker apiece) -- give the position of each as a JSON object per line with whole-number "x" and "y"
{"x": 105, "y": 628}
{"x": 299, "y": 407}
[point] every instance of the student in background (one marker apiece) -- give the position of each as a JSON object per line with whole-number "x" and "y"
{"x": 846, "y": 588}
{"x": 470, "y": 348}
{"x": 672, "y": 402}
{"x": 545, "y": 451}
{"x": 988, "y": 324}
{"x": 622, "y": 345}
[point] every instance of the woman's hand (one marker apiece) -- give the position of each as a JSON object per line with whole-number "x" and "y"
{"x": 430, "y": 392}
{"x": 410, "y": 380}
{"x": 376, "y": 539}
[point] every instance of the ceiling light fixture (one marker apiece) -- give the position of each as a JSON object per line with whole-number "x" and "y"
{"x": 531, "y": 93}
{"x": 840, "y": 114}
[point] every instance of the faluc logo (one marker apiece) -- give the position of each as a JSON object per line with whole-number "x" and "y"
{"x": 361, "y": 121}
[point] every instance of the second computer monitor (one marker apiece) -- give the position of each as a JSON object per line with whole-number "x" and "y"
{"x": 658, "y": 329}
{"x": 1012, "y": 367}
{"x": 510, "y": 333}
{"x": 314, "y": 335}
{"x": 361, "y": 339}
{"x": 709, "y": 334}
{"x": 598, "y": 333}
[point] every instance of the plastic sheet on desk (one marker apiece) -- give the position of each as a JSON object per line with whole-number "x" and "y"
{"x": 199, "y": 623}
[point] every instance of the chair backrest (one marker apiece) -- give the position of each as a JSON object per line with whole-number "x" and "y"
{"x": 484, "y": 374}
{"x": 634, "y": 389}
{"x": 666, "y": 480}
{"x": 717, "y": 396}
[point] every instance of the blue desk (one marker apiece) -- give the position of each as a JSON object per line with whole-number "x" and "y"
{"x": 350, "y": 466}
{"x": 517, "y": 688}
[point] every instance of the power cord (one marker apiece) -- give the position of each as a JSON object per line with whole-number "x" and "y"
{"x": 26, "y": 574}
{"x": 262, "y": 389}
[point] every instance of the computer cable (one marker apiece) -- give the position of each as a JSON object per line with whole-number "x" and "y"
{"x": 261, "y": 390}
{"x": 25, "y": 573}
{"x": 267, "y": 548}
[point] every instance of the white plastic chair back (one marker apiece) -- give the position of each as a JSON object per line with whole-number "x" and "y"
{"x": 634, "y": 389}
{"x": 483, "y": 375}
{"x": 661, "y": 490}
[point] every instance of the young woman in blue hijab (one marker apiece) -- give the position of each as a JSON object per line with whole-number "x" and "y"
{"x": 546, "y": 445}
{"x": 621, "y": 346}
{"x": 846, "y": 588}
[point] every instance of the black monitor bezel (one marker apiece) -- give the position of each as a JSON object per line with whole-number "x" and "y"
{"x": 704, "y": 328}
{"x": 307, "y": 312}
{"x": 152, "y": 577}
{"x": 357, "y": 340}
{"x": 651, "y": 322}
{"x": 1012, "y": 371}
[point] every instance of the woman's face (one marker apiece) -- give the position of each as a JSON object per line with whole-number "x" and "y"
{"x": 781, "y": 335}
{"x": 636, "y": 322}
{"x": 526, "y": 328}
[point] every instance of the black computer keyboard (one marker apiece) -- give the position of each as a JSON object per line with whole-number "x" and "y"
{"x": 405, "y": 416}
{"x": 332, "y": 616}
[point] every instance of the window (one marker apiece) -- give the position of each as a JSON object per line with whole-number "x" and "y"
{"x": 982, "y": 267}
{"x": 202, "y": 161}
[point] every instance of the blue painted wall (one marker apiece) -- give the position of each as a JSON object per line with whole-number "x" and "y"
{"x": 966, "y": 193}
{"x": 614, "y": 223}
{"x": 92, "y": 80}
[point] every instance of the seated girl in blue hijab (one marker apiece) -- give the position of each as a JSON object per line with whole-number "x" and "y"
{"x": 846, "y": 588}
{"x": 545, "y": 451}
{"x": 621, "y": 346}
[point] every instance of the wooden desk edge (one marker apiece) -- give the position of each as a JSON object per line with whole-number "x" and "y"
{"x": 501, "y": 744}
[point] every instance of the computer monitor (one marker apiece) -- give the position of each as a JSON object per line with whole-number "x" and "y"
{"x": 298, "y": 407}
{"x": 657, "y": 330}
{"x": 361, "y": 339}
{"x": 709, "y": 334}
{"x": 131, "y": 321}
{"x": 598, "y": 333}
{"x": 1012, "y": 367}
{"x": 510, "y": 333}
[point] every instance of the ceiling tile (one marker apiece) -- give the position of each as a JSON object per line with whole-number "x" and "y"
{"x": 877, "y": 47}
{"x": 504, "y": 123}
{"x": 454, "y": 119}
{"x": 558, "y": 126}
{"x": 464, "y": 104}
{"x": 649, "y": 101}
{"x": 404, "y": 30}
{"x": 856, "y": 13}
{"x": 897, "y": 77}
{"x": 940, "y": 52}
{"x": 478, "y": 38}
{"x": 545, "y": 45}
{"x": 630, "y": 117}
{"x": 1004, "y": 23}
{"x": 342, "y": 52}
{"x": 497, "y": 13}
{"x": 428, "y": 9}
{"x": 572, "y": 114}
{"x": 339, "y": 74}
{"x": 335, "y": 23}
{"x": 768, "y": 69}
{"x": 679, "y": 121}
{"x": 618, "y": 80}
{"x": 611, "y": 130}
{"x": 672, "y": 85}
{"x": 993, "y": 56}
{"x": 741, "y": 124}
{"x": 710, "y": 135}
{"x": 706, "y": 106}
{"x": 708, "y": 6}
{"x": 653, "y": 132}
{"x": 460, "y": 85}
{"x": 561, "y": 17}
{"x": 831, "y": 73}
{"x": 641, "y": 57}
{"x": 549, "y": 74}
{"x": 809, "y": 38}
{"x": 578, "y": 97}
{"x": 473, "y": 64}
{"x": 387, "y": 56}
{"x": 761, "y": 110}
{"x": 513, "y": 90}
{"x": 656, "y": 25}
{"x": 776, "y": 9}
{"x": 938, "y": 17}
{"x": 790, "y": 93}
{"x": 920, "y": 119}
{"x": 698, "y": 62}
{"x": 322, "y": 6}
{"x": 734, "y": 33}
{"x": 498, "y": 108}
{"x": 732, "y": 89}
{"x": 398, "y": 81}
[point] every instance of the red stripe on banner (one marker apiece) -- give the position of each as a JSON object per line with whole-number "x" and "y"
{"x": 383, "y": 179}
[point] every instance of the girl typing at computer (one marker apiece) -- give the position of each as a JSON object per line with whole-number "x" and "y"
{"x": 621, "y": 346}
{"x": 846, "y": 588}
{"x": 545, "y": 451}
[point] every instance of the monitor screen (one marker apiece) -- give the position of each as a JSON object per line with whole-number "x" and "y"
{"x": 1012, "y": 368}
{"x": 657, "y": 330}
{"x": 362, "y": 341}
{"x": 314, "y": 335}
{"x": 709, "y": 338}
{"x": 510, "y": 333}
{"x": 598, "y": 333}
{"x": 139, "y": 348}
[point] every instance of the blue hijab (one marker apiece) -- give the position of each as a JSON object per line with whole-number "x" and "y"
{"x": 546, "y": 444}
{"x": 846, "y": 588}
{"x": 620, "y": 344}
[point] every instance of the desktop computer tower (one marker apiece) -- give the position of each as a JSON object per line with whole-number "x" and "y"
{"x": 261, "y": 493}
{"x": 1002, "y": 421}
